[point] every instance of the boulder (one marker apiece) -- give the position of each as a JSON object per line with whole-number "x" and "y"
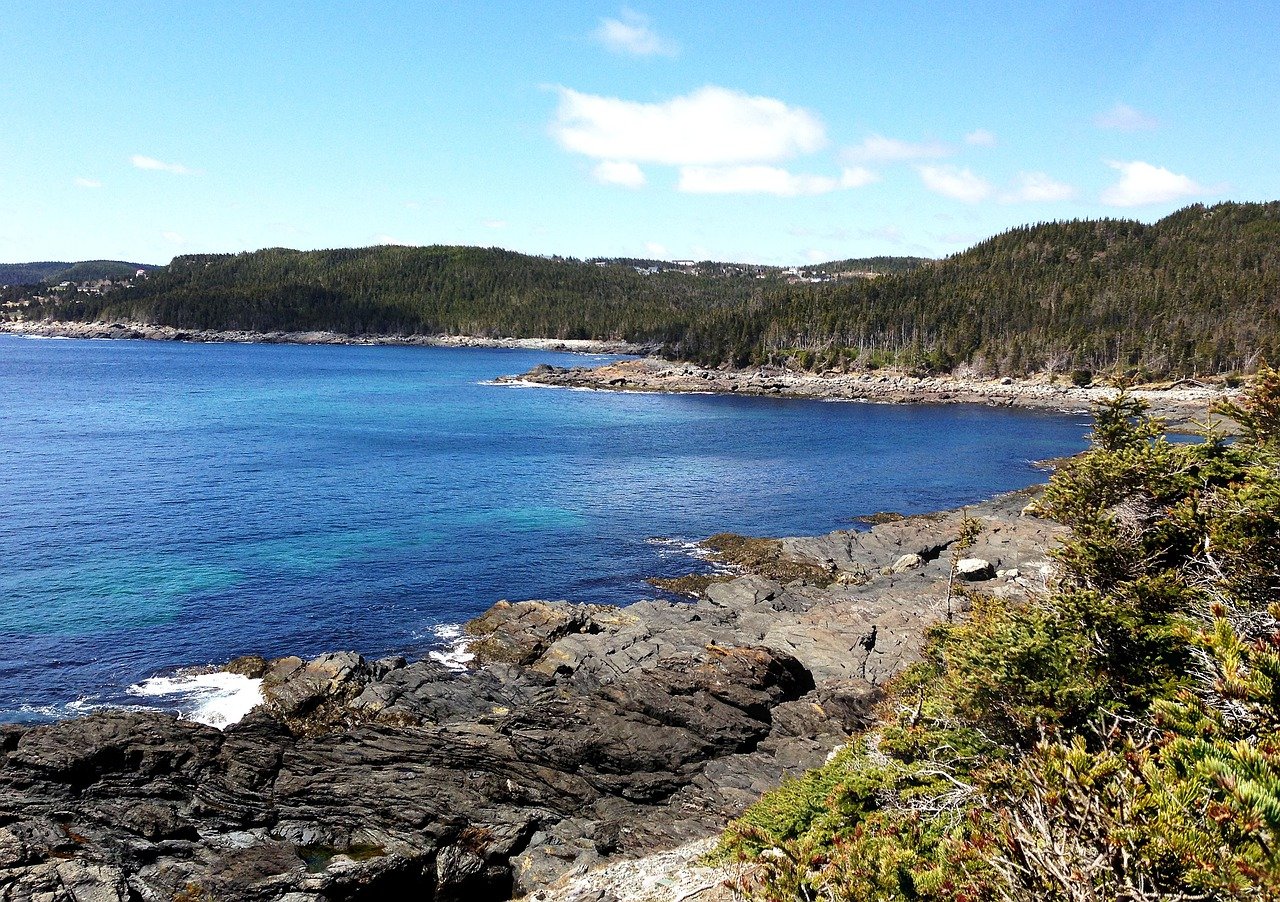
{"x": 910, "y": 561}
{"x": 974, "y": 569}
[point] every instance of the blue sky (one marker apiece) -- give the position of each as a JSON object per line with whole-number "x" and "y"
{"x": 730, "y": 131}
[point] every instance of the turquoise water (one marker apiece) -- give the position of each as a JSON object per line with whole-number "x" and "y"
{"x": 168, "y": 505}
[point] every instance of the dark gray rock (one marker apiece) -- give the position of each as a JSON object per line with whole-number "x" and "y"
{"x": 584, "y": 733}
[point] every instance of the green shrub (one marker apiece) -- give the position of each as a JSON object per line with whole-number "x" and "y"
{"x": 1116, "y": 740}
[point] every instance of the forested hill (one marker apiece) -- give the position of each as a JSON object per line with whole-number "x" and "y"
{"x": 420, "y": 290}
{"x": 37, "y": 273}
{"x": 1198, "y": 291}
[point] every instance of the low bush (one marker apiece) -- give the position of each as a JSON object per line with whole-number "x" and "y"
{"x": 1117, "y": 738}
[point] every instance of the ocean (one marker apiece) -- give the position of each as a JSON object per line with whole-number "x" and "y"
{"x": 168, "y": 506}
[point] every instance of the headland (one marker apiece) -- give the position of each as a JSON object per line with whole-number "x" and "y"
{"x": 1181, "y": 403}
{"x": 580, "y": 736}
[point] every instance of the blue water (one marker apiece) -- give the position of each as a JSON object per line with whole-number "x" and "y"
{"x": 165, "y": 505}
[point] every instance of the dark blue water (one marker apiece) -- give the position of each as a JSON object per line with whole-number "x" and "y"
{"x": 164, "y": 504}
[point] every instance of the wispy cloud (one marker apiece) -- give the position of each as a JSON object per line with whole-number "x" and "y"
{"x": 1124, "y": 118}
{"x": 1142, "y": 183}
{"x": 857, "y": 177}
{"x": 956, "y": 183}
{"x": 494, "y": 223}
{"x": 752, "y": 180}
{"x": 656, "y": 250}
{"x": 1039, "y": 187}
{"x": 879, "y": 149}
{"x": 631, "y": 34}
{"x": 173, "y": 237}
{"x": 710, "y": 127}
{"x": 619, "y": 172}
{"x": 152, "y": 164}
{"x": 87, "y": 183}
{"x": 980, "y": 137}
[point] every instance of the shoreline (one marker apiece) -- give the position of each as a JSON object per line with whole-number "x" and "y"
{"x": 1180, "y": 404}
{"x": 149, "y": 332}
{"x": 580, "y": 736}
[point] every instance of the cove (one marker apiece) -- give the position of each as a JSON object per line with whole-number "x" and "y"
{"x": 168, "y": 505}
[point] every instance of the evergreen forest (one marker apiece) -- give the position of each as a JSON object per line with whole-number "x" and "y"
{"x": 1197, "y": 292}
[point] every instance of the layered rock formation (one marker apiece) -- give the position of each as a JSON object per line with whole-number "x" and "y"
{"x": 582, "y": 734}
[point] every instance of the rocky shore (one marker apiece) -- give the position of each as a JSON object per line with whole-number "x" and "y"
{"x": 582, "y": 736}
{"x": 1181, "y": 403}
{"x": 60, "y": 329}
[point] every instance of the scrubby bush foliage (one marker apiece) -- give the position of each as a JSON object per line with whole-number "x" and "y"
{"x": 1117, "y": 738}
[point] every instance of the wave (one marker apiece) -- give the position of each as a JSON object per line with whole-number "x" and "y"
{"x": 454, "y": 653}
{"x": 669, "y": 547}
{"x": 215, "y": 698}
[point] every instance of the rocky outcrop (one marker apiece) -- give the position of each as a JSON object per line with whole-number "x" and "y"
{"x": 582, "y": 735}
{"x": 1181, "y": 404}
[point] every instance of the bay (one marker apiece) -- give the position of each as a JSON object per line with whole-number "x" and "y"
{"x": 164, "y": 505}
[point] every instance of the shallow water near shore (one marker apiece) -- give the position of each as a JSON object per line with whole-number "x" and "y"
{"x": 169, "y": 505}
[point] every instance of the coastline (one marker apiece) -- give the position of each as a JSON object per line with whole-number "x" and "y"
{"x": 1182, "y": 405}
{"x": 148, "y": 332}
{"x": 580, "y": 737}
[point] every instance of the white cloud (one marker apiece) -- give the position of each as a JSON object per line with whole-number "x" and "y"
{"x": 752, "y": 180}
{"x": 709, "y": 127}
{"x": 494, "y": 223}
{"x": 1125, "y": 118}
{"x": 173, "y": 237}
{"x": 980, "y": 137}
{"x": 879, "y": 149}
{"x": 632, "y": 35}
{"x": 619, "y": 172}
{"x": 960, "y": 184}
{"x": 152, "y": 164}
{"x": 1038, "y": 187}
{"x": 857, "y": 177}
{"x": 1141, "y": 183}
{"x": 87, "y": 183}
{"x": 655, "y": 250}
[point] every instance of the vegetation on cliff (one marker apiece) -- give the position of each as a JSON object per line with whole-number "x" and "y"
{"x": 1117, "y": 738}
{"x": 1196, "y": 292}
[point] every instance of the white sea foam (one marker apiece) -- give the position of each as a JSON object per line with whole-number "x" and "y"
{"x": 86, "y": 704}
{"x": 454, "y": 655}
{"x": 668, "y": 547}
{"x": 514, "y": 383}
{"x": 216, "y": 698}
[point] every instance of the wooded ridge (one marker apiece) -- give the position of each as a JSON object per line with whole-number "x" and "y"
{"x": 1195, "y": 292}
